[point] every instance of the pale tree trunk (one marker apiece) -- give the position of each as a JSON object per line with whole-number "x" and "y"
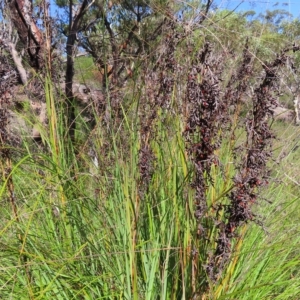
{"x": 38, "y": 47}
{"x": 9, "y": 42}
{"x": 297, "y": 109}
{"x": 21, "y": 15}
{"x": 18, "y": 63}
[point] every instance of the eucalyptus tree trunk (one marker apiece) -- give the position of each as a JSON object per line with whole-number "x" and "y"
{"x": 297, "y": 109}
{"x": 21, "y": 15}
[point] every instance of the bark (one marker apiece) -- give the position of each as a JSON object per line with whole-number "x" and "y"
{"x": 29, "y": 33}
{"x": 9, "y": 42}
{"x": 297, "y": 109}
{"x": 18, "y": 62}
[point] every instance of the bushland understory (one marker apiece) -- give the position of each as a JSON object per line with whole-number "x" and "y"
{"x": 152, "y": 191}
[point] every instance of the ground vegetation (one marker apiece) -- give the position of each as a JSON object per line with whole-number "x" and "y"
{"x": 156, "y": 169}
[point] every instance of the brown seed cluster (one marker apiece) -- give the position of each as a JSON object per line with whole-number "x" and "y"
{"x": 207, "y": 122}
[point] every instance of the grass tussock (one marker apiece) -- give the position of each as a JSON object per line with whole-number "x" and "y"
{"x": 170, "y": 194}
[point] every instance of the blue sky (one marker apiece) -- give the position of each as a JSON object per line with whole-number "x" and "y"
{"x": 292, "y": 6}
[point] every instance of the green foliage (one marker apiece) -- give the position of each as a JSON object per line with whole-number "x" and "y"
{"x": 291, "y": 29}
{"x": 267, "y": 263}
{"x": 98, "y": 237}
{"x": 274, "y": 17}
{"x": 86, "y": 71}
{"x": 88, "y": 226}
